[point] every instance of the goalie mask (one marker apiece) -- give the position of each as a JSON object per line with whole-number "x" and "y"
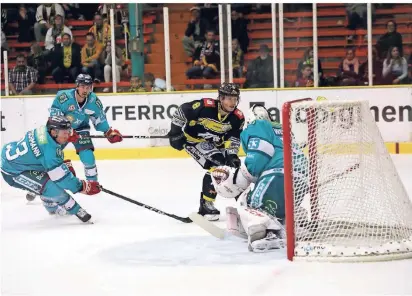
{"x": 257, "y": 112}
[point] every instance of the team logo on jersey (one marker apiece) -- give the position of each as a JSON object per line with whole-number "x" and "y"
{"x": 195, "y": 105}
{"x": 63, "y": 98}
{"x": 71, "y": 107}
{"x": 215, "y": 126}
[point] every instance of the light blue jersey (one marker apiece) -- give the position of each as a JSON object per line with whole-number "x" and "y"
{"x": 66, "y": 104}
{"x": 263, "y": 144}
{"x": 38, "y": 152}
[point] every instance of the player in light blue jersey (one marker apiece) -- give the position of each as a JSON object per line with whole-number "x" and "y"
{"x": 80, "y": 105}
{"x": 260, "y": 208}
{"x": 35, "y": 164}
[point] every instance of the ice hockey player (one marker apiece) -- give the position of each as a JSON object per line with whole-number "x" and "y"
{"x": 259, "y": 209}
{"x": 35, "y": 164}
{"x": 79, "y": 105}
{"x": 209, "y": 131}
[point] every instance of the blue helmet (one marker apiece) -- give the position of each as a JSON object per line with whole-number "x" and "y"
{"x": 84, "y": 79}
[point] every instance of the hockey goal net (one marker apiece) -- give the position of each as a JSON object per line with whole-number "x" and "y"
{"x": 343, "y": 196}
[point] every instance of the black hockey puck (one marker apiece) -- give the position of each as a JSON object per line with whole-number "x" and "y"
{"x": 30, "y": 196}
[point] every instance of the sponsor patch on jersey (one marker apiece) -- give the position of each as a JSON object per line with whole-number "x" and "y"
{"x": 70, "y": 118}
{"x": 239, "y": 113}
{"x": 207, "y": 146}
{"x": 63, "y": 98}
{"x": 209, "y": 102}
{"x": 192, "y": 123}
{"x": 59, "y": 153}
{"x": 88, "y": 111}
{"x": 71, "y": 108}
{"x": 196, "y": 105}
{"x": 215, "y": 126}
{"x": 42, "y": 135}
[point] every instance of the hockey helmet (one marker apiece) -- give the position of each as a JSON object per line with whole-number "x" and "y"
{"x": 58, "y": 122}
{"x": 229, "y": 89}
{"x": 84, "y": 79}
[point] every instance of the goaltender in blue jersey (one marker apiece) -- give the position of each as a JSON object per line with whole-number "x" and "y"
{"x": 36, "y": 164}
{"x": 259, "y": 210}
{"x": 80, "y": 105}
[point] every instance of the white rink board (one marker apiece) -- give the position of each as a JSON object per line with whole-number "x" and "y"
{"x": 149, "y": 114}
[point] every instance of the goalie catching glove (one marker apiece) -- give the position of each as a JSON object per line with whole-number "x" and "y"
{"x": 230, "y": 182}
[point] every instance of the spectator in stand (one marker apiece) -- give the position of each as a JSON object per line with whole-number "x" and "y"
{"x": 349, "y": 69}
{"x": 153, "y": 84}
{"x": 377, "y": 67}
{"x": 22, "y": 78}
{"x": 136, "y": 85}
{"x": 37, "y": 60}
{"x": 106, "y": 59}
{"x": 195, "y": 32}
{"x": 395, "y": 67}
{"x": 66, "y": 60}
{"x": 260, "y": 71}
{"x": 45, "y": 18}
{"x": 238, "y": 59}
{"x": 210, "y": 12}
{"x": 239, "y": 30}
{"x": 26, "y": 23}
{"x": 90, "y": 55}
{"x": 101, "y": 30}
{"x": 357, "y": 17}
{"x": 308, "y": 60}
{"x": 73, "y": 11}
{"x": 389, "y": 39}
{"x": 305, "y": 79}
{"x": 55, "y": 33}
{"x": 206, "y": 59}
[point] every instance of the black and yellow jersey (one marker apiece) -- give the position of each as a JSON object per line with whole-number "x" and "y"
{"x": 201, "y": 121}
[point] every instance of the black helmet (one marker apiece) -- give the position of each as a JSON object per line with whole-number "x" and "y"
{"x": 58, "y": 122}
{"x": 229, "y": 89}
{"x": 85, "y": 79}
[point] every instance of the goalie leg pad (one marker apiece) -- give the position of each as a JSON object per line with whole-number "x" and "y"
{"x": 233, "y": 223}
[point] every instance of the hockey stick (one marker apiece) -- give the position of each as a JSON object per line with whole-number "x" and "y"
{"x": 334, "y": 177}
{"x": 130, "y": 137}
{"x": 182, "y": 219}
{"x": 208, "y": 226}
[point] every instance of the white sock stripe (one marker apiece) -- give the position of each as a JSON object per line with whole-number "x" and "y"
{"x": 90, "y": 172}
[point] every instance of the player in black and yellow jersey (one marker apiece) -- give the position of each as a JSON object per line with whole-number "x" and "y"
{"x": 209, "y": 131}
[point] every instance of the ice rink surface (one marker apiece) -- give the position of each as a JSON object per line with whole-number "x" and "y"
{"x": 132, "y": 251}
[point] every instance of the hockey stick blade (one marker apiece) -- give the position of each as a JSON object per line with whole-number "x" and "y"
{"x": 207, "y": 225}
{"x": 182, "y": 219}
{"x": 129, "y": 137}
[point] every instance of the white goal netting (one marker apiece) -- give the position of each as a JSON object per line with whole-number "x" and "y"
{"x": 349, "y": 202}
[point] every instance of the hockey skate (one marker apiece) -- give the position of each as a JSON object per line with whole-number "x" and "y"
{"x": 208, "y": 210}
{"x": 271, "y": 242}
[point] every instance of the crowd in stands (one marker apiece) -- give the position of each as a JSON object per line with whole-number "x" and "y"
{"x": 55, "y": 52}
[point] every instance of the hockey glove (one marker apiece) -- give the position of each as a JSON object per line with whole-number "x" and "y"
{"x": 68, "y": 162}
{"x": 90, "y": 187}
{"x": 233, "y": 161}
{"x": 177, "y": 141}
{"x": 113, "y": 135}
{"x": 74, "y": 137}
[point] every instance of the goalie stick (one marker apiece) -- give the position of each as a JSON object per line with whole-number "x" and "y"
{"x": 182, "y": 219}
{"x": 208, "y": 226}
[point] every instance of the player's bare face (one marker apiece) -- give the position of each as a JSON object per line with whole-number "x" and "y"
{"x": 229, "y": 103}
{"x": 62, "y": 136}
{"x": 84, "y": 90}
